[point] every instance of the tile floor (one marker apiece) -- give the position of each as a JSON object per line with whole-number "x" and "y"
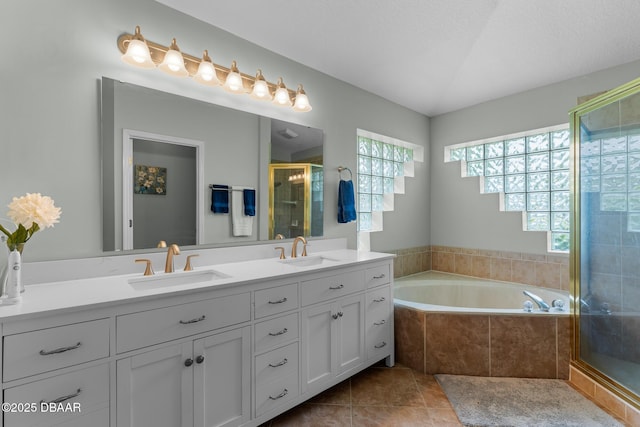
{"x": 378, "y": 396}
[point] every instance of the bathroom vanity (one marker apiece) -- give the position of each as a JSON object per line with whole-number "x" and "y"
{"x": 228, "y": 344}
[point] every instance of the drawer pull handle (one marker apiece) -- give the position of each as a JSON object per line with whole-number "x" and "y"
{"x": 284, "y": 362}
{"x": 335, "y": 288}
{"x": 275, "y": 334}
{"x": 63, "y": 398}
{"x": 381, "y": 299}
{"x": 199, "y": 359}
{"x": 188, "y": 362}
{"x": 280, "y": 301}
{"x": 59, "y": 350}
{"x": 382, "y": 344}
{"x": 382, "y": 276}
{"x": 382, "y": 322}
{"x": 199, "y": 319}
{"x": 283, "y": 394}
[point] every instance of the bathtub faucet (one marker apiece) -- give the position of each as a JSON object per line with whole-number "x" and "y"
{"x": 541, "y": 304}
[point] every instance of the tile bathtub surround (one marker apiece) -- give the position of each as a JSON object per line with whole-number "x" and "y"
{"x": 525, "y": 346}
{"x": 411, "y": 260}
{"x": 378, "y": 396}
{"x": 548, "y": 271}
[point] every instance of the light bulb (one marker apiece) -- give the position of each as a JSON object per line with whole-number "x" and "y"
{"x": 137, "y": 52}
{"x": 233, "y": 83}
{"x": 173, "y": 62}
{"x": 206, "y": 74}
{"x": 260, "y": 87}
{"x": 281, "y": 97}
{"x": 302, "y": 101}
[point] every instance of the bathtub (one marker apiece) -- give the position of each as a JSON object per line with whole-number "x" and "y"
{"x": 450, "y": 324}
{"x": 444, "y": 292}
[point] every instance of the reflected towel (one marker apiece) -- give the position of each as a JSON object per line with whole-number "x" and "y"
{"x": 220, "y": 199}
{"x": 346, "y": 202}
{"x": 242, "y": 224}
{"x": 249, "y": 196}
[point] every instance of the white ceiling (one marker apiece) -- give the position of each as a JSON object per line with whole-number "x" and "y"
{"x": 436, "y": 56}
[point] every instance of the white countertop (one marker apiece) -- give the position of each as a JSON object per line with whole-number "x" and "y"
{"x": 86, "y": 293}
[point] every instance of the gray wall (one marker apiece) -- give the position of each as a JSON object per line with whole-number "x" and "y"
{"x": 460, "y": 215}
{"x": 50, "y": 117}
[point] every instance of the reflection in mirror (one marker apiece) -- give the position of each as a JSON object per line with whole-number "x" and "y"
{"x": 295, "y": 181}
{"x": 229, "y": 154}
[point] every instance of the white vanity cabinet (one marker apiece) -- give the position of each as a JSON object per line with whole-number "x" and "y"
{"x": 202, "y": 382}
{"x": 56, "y": 375}
{"x": 333, "y": 327}
{"x": 234, "y": 353}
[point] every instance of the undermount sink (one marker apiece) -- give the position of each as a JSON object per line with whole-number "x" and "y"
{"x": 175, "y": 279}
{"x": 308, "y": 261}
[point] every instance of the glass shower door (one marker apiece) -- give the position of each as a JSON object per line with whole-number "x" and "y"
{"x": 606, "y": 239}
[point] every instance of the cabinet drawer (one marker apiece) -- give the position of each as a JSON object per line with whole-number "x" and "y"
{"x": 274, "y": 332}
{"x": 375, "y": 276}
{"x": 326, "y": 288}
{"x": 276, "y": 364}
{"x": 378, "y": 340}
{"x": 146, "y": 328}
{"x": 379, "y": 303}
{"x": 84, "y": 395}
{"x": 276, "y": 393}
{"x": 276, "y": 300}
{"x": 45, "y": 350}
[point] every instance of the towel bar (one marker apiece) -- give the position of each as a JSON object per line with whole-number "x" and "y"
{"x": 344, "y": 168}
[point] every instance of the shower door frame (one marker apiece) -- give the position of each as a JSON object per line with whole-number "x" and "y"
{"x": 589, "y": 106}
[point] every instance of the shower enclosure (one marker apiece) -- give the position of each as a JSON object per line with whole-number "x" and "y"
{"x": 605, "y": 247}
{"x": 295, "y": 200}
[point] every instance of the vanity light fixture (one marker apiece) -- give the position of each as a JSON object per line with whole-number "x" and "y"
{"x": 137, "y": 52}
{"x": 173, "y": 62}
{"x": 281, "y": 97}
{"x": 233, "y": 83}
{"x": 143, "y": 53}
{"x": 261, "y": 88}
{"x": 206, "y": 73}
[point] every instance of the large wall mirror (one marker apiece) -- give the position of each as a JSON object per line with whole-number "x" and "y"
{"x": 162, "y": 153}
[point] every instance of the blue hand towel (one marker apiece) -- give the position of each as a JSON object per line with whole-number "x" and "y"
{"x": 220, "y": 199}
{"x": 346, "y": 202}
{"x": 249, "y": 198}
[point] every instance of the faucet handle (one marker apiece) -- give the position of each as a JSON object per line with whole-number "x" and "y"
{"x": 161, "y": 244}
{"x": 187, "y": 266}
{"x": 148, "y": 271}
{"x": 282, "y": 256}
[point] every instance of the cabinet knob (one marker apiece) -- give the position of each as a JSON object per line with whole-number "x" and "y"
{"x": 199, "y": 359}
{"x": 188, "y": 362}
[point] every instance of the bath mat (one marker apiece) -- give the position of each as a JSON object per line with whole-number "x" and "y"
{"x": 515, "y": 402}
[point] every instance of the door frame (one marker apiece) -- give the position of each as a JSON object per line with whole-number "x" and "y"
{"x": 128, "y": 135}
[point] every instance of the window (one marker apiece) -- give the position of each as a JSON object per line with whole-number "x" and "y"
{"x": 531, "y": 173}
{"x": 383, "y": 162}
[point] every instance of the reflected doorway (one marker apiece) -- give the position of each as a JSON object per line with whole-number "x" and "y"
{"x": 162, "y": 188}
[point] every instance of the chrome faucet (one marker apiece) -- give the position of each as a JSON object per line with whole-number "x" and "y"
{"x": 173, "y": 250}
{"x": 543, "y": 306}
{"x": 294, "y": 247}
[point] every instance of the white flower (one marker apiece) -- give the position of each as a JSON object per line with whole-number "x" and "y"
{"x": 33, "y": 208}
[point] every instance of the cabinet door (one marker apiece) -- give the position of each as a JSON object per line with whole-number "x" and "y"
{"x": 222, "y": 379}
{"x": 319, "y": 352}
{"x": 156, "y": 388}
{"x": 350, "y": 333}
